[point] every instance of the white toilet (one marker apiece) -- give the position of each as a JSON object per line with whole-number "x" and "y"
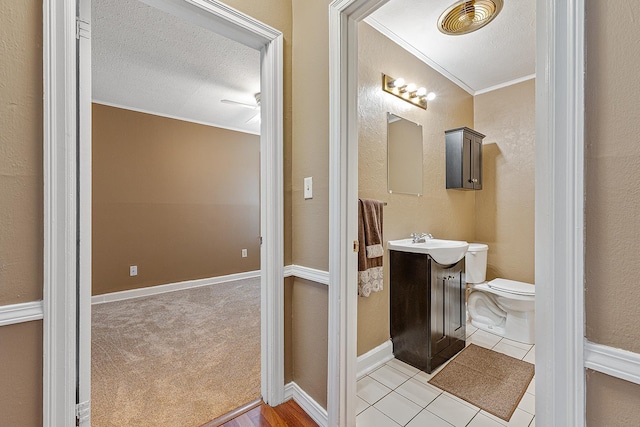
{"x": 502, "y": 307}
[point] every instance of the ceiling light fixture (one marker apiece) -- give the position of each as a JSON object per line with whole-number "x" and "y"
{"x": 411, "y": 93}
{"x": 466, "y": 16}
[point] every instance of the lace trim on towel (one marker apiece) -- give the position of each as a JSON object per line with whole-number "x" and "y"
{"x": 369, "y": 281}
{"x": 375, "y": 251}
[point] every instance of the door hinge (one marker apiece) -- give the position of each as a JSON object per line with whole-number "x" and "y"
{"x": 83, "y": 413}
{"x": 356, "y": 246}
{"x": 83, "y": 29}
{"x": 260, "y": 238}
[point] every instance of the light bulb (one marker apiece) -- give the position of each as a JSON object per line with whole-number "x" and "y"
{"x": 398, "y": 82}
{"x": 431, "y": 96}
{"x": 421, "y": 92}
{"x": 411, "y": 87}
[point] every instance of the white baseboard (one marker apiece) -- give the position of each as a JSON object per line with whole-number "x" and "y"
{"x": 20, "y": 313}
{"x": 306, "y": 402}
{"x": 375, "y": 358}
{"x": 171, "y": 287}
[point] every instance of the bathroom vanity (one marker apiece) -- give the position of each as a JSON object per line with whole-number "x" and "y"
{"x": 428, "y": 316}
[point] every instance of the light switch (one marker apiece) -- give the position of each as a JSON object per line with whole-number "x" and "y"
{"x": 244, "y": 253}
{"x": 308, "y": 187}
{"x": 133, "y": 270}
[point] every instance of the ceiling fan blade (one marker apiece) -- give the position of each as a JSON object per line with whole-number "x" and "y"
{"x": 240, "y": 104}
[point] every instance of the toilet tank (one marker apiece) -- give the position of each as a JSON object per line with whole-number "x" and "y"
{"x": 476, "y": 263}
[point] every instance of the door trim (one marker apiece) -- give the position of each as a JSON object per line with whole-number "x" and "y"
{"x": 559, "y": 209}
{"x": 344, "y": 16}
{"x": 61, "y": 174}
{"x": 559, "y": 213}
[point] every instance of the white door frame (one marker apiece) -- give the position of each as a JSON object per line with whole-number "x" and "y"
{"x": 63, "y": 208}
{"x": 560, "y": 388}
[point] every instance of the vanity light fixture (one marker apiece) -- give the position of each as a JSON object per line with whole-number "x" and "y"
{"x": 417, "y": 96}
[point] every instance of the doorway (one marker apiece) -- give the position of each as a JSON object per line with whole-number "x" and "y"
{"x": 217, "y": 218}
{"x": 175, "y": 198}
{"x": 67, "y": 293}
{"x": 559, "y": 154}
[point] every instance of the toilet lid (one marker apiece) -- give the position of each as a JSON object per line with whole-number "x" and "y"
{"x": 512, "y": 286}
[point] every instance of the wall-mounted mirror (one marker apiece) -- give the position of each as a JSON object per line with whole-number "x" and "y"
{"x": 404, "y": 156}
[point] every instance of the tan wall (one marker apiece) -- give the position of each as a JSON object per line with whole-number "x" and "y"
{"x": 611, "y": 402}
{"x": 310, "y": 218}
{"x": 446, "y": 214}
{"x": 311, "y": 132}
{"x": 21, "y": 374}
{"x": 612, "y": 199}
{"x": 20, "y": 151}
{"x": 310, "y": 305}
{"x": 21, "y": 207}
{"x": 505, "y": 208}
{"x": 180, "y": 200}
{"x": 612, "y": 160}
{"x": 288, "y": 329}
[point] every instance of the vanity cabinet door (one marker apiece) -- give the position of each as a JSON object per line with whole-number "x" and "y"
{"x": 448, "y": 311}
{"x": 457, "y": 309}
{"x": 410, "y": 307}
{"x": 439, "y": 308}
{"x": 427, "y": 309}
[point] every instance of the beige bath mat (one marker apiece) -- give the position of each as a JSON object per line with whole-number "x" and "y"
{"x": 487, "y": 379}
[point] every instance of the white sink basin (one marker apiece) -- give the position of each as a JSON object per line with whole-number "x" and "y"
{"x": 442, "y": 251}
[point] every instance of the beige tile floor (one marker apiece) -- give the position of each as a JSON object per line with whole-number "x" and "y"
{"x": 397, "y": 394}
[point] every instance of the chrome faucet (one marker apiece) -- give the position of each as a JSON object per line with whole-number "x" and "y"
{"x": 420, "y": 237}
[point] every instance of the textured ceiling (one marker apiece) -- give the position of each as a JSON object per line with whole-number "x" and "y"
{"x": 501, "y": 52}
{"x": 146, "y": 59}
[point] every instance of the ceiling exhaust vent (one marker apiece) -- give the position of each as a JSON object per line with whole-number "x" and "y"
{"x": 467, "y": 16}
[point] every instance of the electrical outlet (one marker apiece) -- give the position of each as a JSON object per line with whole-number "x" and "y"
{"x": 308, "y": 187}
{"x": 244, "y": 253}
{"x": 133, "y": 270}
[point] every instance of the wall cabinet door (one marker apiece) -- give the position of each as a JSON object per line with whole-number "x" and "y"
{"x": 464, "y": 159}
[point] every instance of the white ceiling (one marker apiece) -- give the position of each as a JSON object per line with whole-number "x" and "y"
{"x": 145, "y": 59}
{"x": 500, "y": 53}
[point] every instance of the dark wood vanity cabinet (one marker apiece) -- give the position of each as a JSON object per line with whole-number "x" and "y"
{"x": 464, "y": 158}
{"x": 428, "y": 315}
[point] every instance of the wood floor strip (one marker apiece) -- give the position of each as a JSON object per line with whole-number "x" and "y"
{"x": 289, "y": 414}
{"x": 233, "y": 414}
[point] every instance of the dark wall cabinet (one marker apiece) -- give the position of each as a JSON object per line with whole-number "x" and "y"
{"x": 428, "y": 316}
{"x": 464, "y": 158}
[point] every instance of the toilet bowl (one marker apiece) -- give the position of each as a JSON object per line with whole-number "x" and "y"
{"x": 500, "y": 306}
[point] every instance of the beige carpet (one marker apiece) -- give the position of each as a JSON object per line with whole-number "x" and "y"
{"x": 487, "y": 379}
{"x": 176, "y": 359}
